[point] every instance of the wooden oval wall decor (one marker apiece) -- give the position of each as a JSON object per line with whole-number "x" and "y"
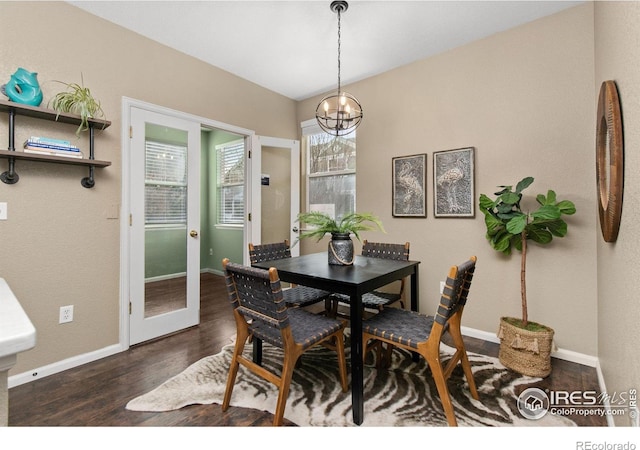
{"x": 609, "y": 160}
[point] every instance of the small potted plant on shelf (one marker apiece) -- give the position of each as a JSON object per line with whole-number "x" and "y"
{"x": 77, "y": 99}
{"x": 341, "y": 246}
{"x": 525, "y": 346}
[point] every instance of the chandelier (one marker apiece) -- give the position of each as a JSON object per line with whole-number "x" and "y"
{"x": 340, "y": 113}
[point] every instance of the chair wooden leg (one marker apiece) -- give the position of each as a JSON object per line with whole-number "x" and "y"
{"x": 456, "y": 335}
{"x": 468, "y": 373}
{"x": 443, "y": 391}
{"x": 387, "y": 355}
{"x": 377, "y": 344}
{"x": 365, "y": 349}
{"x": 432, "y": 354}
{"x": 331, "y": 307}
{"x": 380, "y": 362}
{"x": 285, "y": 383}
{"x": 342, "y": 361}
{"x": 241, "y": 339}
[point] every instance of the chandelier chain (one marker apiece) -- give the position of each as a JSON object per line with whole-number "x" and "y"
{"x": 339, "y": 38}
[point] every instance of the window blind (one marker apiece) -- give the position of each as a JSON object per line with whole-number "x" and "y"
{"x": 165, "y": 183}
{"x": 231, "y": 162}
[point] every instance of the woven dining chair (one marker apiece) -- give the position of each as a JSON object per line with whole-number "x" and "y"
{"x": 377, "y": 299}
{"x": 422, "y": 334}
{"x": 296, "y": 295}
{"x": 259, "y": 310}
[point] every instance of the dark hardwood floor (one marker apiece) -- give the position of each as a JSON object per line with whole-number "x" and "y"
{"x": 95, "y": 394}
{"x": 165, "y": 296}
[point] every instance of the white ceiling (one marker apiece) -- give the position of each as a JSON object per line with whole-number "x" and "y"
{"x": 291, "y": 47}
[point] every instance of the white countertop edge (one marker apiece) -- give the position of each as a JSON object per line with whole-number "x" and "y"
{"x": 17, "y": 333}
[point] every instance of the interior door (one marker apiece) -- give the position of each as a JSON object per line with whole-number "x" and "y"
{"x": 275, "y": 191}
{"x": 164, "y": 284}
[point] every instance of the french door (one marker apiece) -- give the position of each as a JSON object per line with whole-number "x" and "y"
{"x": 164, "y": 250}
{"x": 274, "y": 191}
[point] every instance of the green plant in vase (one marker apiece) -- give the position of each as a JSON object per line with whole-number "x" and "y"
{"x": 340, "y": 246}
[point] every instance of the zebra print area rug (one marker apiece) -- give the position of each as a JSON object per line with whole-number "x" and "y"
{"x": 402, "y": 395}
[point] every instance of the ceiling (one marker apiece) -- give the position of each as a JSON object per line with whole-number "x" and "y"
{"x": 291, "y": 47}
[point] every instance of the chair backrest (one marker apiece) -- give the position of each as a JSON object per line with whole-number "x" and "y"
{"x": 456, "y": 290}
{"x": 399, "y": 252}
{"x": 256, "y": 295}
{"x": 269, "y": 252}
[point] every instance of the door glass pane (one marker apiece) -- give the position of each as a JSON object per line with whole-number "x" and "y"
{"x": 165, "y": 219}
{"x": 276, "y": 194}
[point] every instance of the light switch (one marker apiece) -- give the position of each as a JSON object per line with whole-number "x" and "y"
{"x": 3, "y": 210}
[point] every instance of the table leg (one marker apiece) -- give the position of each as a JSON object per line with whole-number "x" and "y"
{"x": 257, "y": 350}
{"x": 414, "y": 290}
{"x": 414, "y": 304}
{"x": 357, "y": 366}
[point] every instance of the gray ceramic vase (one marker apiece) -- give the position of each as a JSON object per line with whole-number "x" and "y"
{"x": 341, "y": 249}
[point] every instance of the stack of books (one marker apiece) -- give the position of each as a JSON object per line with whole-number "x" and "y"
{"x": 50, "y": 146}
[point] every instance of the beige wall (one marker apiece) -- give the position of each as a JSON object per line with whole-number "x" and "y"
{"x": 59, "y": 245}
{"x": 524, "y": 99}
{"x": 616, "y": 58}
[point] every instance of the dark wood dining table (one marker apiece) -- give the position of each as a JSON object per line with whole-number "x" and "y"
{"x": 365, "y": 275}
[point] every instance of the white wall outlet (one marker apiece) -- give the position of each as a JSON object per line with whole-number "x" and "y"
{"x": 210, "y": 252}
{"x": 3, "y": 210}
{"x": 442, "y": 283}
{"x": 66, "y": 314}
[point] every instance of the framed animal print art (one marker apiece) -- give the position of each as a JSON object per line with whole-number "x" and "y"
{"x": 409, "y": 186}
{"x": 453, "y": 183}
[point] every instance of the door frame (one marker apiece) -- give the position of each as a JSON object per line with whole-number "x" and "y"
{"x": 125, "y": 208}
{"x": 142, "y": 327}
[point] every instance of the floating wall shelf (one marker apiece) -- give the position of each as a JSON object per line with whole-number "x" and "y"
{"x": 13, "y": 109}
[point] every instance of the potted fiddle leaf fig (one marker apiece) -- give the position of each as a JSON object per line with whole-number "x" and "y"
{"x": 525, "y": 346}
{"x": 341, "y": 246}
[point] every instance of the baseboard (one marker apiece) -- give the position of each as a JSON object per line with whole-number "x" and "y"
{"x": 213, "y": 271}
{"x": 170, "y": 276}
{"x": 565, "y": 355}
{"x": 70, "y": 363}
{"x": 60, "y": 366}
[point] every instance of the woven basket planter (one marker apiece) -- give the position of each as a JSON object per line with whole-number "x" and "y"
{"x": 526, "y": 352}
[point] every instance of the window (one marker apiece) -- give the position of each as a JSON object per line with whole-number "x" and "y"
{"x": 165, "y": 184}
{"x": 331, "y": 171}
{"x": 230, "y": 192}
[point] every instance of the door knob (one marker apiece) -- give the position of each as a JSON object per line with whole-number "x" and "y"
{"x": 193, "y": 233}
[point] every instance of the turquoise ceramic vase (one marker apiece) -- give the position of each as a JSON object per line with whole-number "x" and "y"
{"x": 23, "y": 87}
